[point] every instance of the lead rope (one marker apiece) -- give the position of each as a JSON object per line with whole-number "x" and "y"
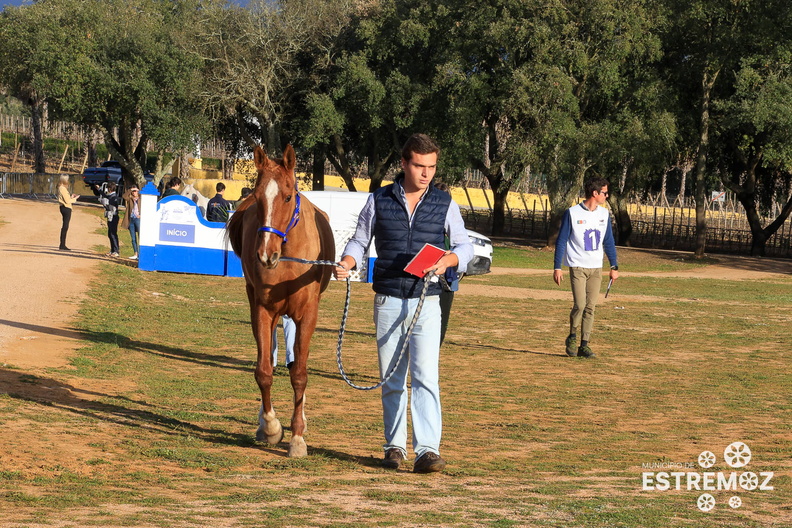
{"x": 342, "y": 329}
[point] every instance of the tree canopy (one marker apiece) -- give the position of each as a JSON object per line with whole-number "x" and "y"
{"x": 563, "y": 89}
{"x": 118, "y": 66}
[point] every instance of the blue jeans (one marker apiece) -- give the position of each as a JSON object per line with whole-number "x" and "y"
{"x": 392, "y": 317}
{"x": 134, "y": 231}
{"x": 289, "y": 331}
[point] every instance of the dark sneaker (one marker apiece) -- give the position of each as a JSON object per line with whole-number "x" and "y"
{"x": 64, "y": 248}
{"x": 393, "y": 458}
{"x": 586, "y": 352}
{"x": 429, "y": 462}
{"x": 571, "y": 346}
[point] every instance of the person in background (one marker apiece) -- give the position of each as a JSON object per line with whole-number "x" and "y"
{"x": 217, "y": 208}
{"x": 242, "y": 195}
{"x": 109, "y": 199}
{"x": 172, "y": 188}
{"x": 449, "y": 282}
{"x": 402, "y": 217}
{"x": 132, "y": 217}
{"x": 289, "y": 333}
{"x": 65, "y": 201}
{"x": 584, "y": 235}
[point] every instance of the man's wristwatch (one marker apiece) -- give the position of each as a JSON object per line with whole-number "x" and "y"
{"x": 615, "y": 268}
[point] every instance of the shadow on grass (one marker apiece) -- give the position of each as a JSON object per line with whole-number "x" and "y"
{"x": 50, "y": 250}
{"x": 465, "y": 345}
{"x": 282, "y": 450}
{"x": 739, "y": 262}
{"x": 366, "y": 461}
{"x": 213, "y": 360}
{"x": 59, "y": 395}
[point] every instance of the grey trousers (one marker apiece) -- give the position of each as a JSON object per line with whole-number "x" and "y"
{"x": 586, "y": 284}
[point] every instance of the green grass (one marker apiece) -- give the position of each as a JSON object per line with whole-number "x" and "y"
{"x": 162, "y": 409}
{"x": 687, "y": 289}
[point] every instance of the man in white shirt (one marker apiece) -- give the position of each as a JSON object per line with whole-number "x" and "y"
{"x": 585, "y": 232}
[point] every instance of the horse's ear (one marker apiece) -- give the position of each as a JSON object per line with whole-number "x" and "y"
{"x": 260, "y": 157}
{"x": 289, "y": 158}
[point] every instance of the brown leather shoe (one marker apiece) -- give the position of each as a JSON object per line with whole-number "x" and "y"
{"x": 393, "y": 458}
{"x": 429, "y": 462}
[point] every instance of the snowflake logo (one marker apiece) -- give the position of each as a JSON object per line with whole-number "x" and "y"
{"x": 706, "y": 502}
{"x": 749, "y": 481}
{"x": 706, "y": 459}
{"x": 737, "y": 454}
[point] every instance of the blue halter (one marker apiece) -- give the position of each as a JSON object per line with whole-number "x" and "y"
{"x": 293, "y": 222}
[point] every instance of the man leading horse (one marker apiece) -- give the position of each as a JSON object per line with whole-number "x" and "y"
{"x": 403, "y": 217}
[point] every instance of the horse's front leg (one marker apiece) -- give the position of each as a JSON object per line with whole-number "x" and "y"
{"x": 270, "y": 429}
{"x": 299, "y": 380}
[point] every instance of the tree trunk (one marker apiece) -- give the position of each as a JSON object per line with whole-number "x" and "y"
{"x": 37, "y": 124}
{"x": 758, "y": 244}
{"x": 494, "y": 176}
{"x": 273, "y": 139}
{"x": 621, "y": 215}
{"x": 377, "y": 168}
{"x": 759, "y": 235}
{"x": 128, "y": 152}
{"x": 338, "y": 159}
{"x": 499, "y": 209}
{"x": 707, "y": 83}
{"x": 318, "y": 167}
{"x": 90, "y": 148}
{"x": 184, "y": 166}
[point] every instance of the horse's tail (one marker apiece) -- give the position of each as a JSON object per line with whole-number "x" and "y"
{"x": 234, "y": 226}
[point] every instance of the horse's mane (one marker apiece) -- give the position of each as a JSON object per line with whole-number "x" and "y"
{"x": 234, "y": 225}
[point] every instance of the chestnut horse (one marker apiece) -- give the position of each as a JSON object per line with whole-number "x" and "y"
{"x": 276, "y": 221}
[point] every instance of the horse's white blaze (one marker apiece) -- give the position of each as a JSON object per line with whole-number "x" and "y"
{"x": 270, "y": 192}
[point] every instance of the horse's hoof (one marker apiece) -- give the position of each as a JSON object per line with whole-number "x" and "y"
{"x": 297, "y": 447}
{"x": 272, "y": 439}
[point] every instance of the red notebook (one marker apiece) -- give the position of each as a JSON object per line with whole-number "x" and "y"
{"x": 426, "y": 258}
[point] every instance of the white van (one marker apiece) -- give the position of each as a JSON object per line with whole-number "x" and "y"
{"x": 343, "y": 209}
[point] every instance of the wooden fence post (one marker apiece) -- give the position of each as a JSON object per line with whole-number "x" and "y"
{"x": 63, "y": 158}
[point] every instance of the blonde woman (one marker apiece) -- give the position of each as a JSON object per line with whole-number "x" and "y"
{"x": 132, "y": 217}
{"x": 65, "y": 200}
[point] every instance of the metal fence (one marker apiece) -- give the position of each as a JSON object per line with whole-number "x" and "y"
{"x": 28, "y": 185}
{"x": 653, "y": 226}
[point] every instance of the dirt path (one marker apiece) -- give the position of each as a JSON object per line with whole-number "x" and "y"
{"x": 42, "y": 287}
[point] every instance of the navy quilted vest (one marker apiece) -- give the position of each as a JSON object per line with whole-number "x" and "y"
{"x": 397, "y": 242}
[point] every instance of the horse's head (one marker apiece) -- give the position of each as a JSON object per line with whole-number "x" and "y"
{"x": 188, "y": 191}
{"x": 277, "y": 203}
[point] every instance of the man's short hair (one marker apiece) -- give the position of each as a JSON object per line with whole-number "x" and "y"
{"x": 220, "y": 186}
{"x": 594, "y": 184}
{"x": 419, "y": 144}
{"x": 174, "y": 182}
{"x": 245, "y": 192}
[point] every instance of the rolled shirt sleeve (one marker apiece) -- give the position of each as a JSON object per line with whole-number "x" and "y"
{"x": 361, "y": 240}
{"x": 458, "y": 237}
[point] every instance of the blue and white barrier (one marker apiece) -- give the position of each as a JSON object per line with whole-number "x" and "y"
{"x": 174, "y": 236}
